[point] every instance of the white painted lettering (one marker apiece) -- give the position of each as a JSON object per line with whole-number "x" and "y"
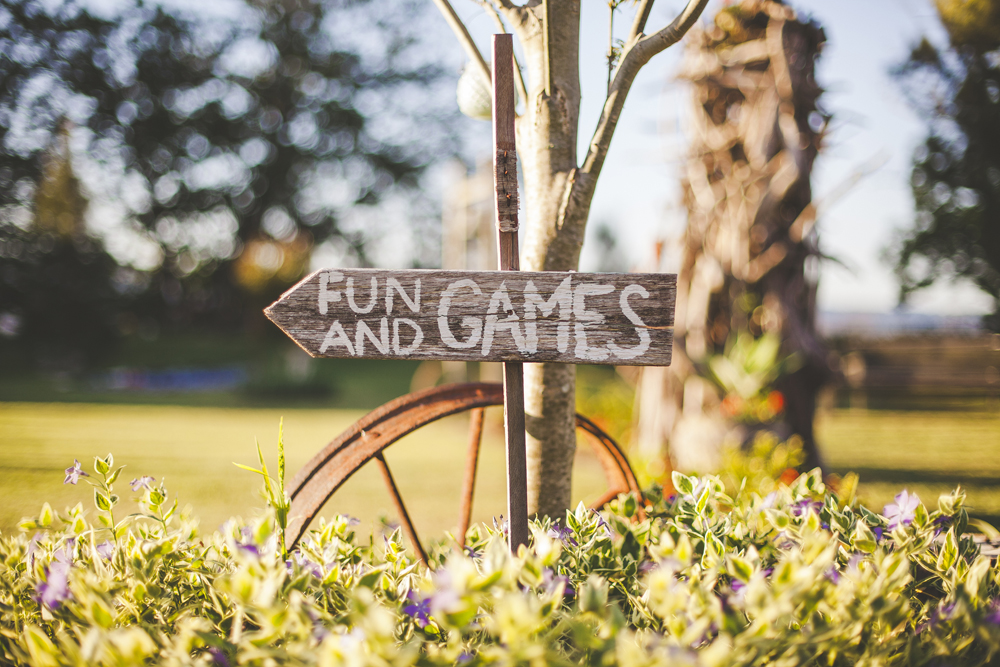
{"x": 336, "y": 336}
{"x": 327, "y": 295}
{"x": 500, "y": 299}
{"x": 393, "y": 284}
{"x": 475, "y": 324}
{"x": 381, "y": 343}
{"x": 586, "y": 317}
{"x": 561, "y": 297}
{"x": 640, "y": 326}
{"x": 418, "y": 336}
{"x": 350, "y": 296}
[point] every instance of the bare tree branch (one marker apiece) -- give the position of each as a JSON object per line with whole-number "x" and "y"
{"x": 498, "y": 20}
{"x": 464, "y": 38}
{"x": 641, "y": 16}
{"x": 638, "y": 52}
{"x": 672, "y": 33}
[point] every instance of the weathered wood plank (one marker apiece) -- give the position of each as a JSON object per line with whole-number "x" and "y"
{"x": 566, "y": 317}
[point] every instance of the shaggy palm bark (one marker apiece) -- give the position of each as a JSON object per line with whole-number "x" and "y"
{"x": 755, "y": 132}
{"x": 559, "y": 188}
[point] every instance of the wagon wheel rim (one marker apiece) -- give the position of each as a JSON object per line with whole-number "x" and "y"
{"x": 367, "y": 438}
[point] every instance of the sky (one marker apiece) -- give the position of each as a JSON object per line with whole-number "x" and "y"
{"x": 638, "y": 194}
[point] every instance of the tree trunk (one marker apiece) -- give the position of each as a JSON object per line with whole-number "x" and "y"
{"x": 559, "y": 189}
{"x": 547, "y": 138}
{"x": 756, "y": 130}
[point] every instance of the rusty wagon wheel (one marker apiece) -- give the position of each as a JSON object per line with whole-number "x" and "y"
{"x": 366, "y": 439}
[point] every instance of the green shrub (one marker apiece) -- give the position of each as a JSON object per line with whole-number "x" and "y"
{"x": 797, "y": 577}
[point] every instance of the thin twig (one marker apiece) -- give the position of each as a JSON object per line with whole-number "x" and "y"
{"x": 545, "y": 48}
{"x": 611, "y": 44}
{"x": 641, "y": 16}
{"x": 636, "y": 53}
{"x": 464, "y": 38}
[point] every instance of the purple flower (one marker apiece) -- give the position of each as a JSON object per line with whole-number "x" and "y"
{"x": 503, "y": 525}
{"x": 303, "y": 562}
{"x": 941, "y": 524}
{"x": 803, "y": 506}
{"x": 903, "y": 510}
{"x": 993, "y": 618}
{"x": 472, "y": 553}
{"x": 877, "y": 531}
{"x": 55, "y": 589}
{"x": 74, "y": 473}
{"x": 561, "y": 533}
{"x": 833, "y": 575}
{"x": 551, "y": 581}
{"x": 603, "y": 524}
{"x": 218, "y": 657}
{"x": 105, "y": 549}
{"x": 143, "y": 482}
{"x": 419, "y": 610}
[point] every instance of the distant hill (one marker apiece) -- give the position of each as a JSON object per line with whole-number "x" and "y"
{"x": 895, "y": 323}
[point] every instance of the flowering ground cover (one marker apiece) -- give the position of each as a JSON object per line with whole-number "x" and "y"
{"x": 777, "y": 575}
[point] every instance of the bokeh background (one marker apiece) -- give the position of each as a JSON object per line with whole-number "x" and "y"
{"x": 168, "y": 168}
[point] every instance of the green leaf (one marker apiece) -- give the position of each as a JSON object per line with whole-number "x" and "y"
{"x": 777, "y": 518}
{"x": 949, "y": 553}
{"x": 629, "y": 506}
{"x": 46, "y": 516}
{"x": 369, "y": 579}
{"x": 682, "y": 483}
{"x": 114, "y": 476}
{"x": 240, "y": 465}
{"x": 739, "y": 568}
{"x": 102, "y": 501}
{"x": 101, "y": 466}
{"x": 281, "y": 455}
{"x": 703, "y": 498}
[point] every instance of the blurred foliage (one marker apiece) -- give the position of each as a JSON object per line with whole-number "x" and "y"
{"x": 745, "y": 372}
{"x": 229, "y": 145}
{"x": 763, "y": 466}
{"x": 956, "y": 172}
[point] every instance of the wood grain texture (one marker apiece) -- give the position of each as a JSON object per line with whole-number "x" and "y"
{"x": 504, "y": 150}
{"x": 553, "y": 316}
{"x": 505, "y": 183}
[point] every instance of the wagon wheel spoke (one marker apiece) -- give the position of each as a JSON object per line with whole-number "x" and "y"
{"x": 469, "y": 480}
{"x": 401, "y": 508}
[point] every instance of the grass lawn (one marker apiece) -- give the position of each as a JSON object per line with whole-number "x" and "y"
{"x": 926, "y": 452}
{"x": 193, "y": 449}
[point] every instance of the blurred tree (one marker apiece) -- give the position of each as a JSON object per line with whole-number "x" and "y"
{"x": 956, "y": 172}
{"x": 756, "y": 128}
{"x": 234, "y": 145}
{"x": 58, "y": 304}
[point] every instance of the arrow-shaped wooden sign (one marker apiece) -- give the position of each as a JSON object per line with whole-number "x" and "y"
{"x": 573, "y": 318}
{"x": 507, "y": 315}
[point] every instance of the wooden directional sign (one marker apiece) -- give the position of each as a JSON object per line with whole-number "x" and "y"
{"x": 573, "y": 318}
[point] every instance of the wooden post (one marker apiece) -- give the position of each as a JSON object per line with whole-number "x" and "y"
{"x": 505, "y": 179}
